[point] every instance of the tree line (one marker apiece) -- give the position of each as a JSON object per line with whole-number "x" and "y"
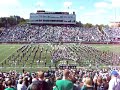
{"x": 89, "y": 25}
{"x": 11, "y": 21}
{"x": 14, "y": 20}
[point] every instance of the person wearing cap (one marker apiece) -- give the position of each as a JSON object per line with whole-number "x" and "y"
{"x": 65, "y": 83}
{"x": 114, "y": 83}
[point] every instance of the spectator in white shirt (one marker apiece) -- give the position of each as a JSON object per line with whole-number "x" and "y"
{"x": 114, "y": 83}
{"x": 19, "y": 85}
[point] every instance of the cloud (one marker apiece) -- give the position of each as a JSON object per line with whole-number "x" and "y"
{"x": 67, "y": 4}
{"x": 115, "y": 3}
{"x": 9, "y": 2}
{"x": 102, "y": 5}
{"x": 67, "y": 7}
{"x": 8, "y": 7}
{"x": 109, "y": 3}
{"x": 40, "y": 3}
{"x": 95, "y": 13}
{"x": 95, "y": 17}
{"x": 24, "y": 12}
{"x": 70, "y": 10}
{"x": 111, "y": 18}
{"x": 107, "y": 0}
{"x": 82, "y": 7}
{"x": 14, "y": 7}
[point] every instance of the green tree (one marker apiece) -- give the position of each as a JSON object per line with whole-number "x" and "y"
{"x": 79, "y": 24}
{"x": 10, "y": 21}
{"x": 88, "y": 25}
{"x": 100, "y": 27}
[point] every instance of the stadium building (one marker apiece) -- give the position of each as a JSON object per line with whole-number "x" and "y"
{"x": 114, "y": 24}
{"x": 42, "y": 17}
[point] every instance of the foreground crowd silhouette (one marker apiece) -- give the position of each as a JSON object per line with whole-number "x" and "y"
{"x": 61, "y": 79}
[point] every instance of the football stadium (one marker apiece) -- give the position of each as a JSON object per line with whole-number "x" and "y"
{"x": 52, "y": 47}
{"x": 58, "y": 43}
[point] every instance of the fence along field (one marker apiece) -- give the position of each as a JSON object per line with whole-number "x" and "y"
{"x": 35, "y": 56}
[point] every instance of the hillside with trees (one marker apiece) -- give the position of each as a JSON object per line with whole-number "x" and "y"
{"x": 11, "y": 21}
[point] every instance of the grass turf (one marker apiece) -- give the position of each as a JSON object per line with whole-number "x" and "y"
{"x": 7, "y": 50}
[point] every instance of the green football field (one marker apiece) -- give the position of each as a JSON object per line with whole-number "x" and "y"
{"x": 11, "y": 59}
{"x": 104, "y": 47}
{"x": 7, "y": 50}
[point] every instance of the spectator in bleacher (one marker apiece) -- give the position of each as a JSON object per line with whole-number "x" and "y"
{"x": 19, "y": 85}
{"x": 88, "y": 84}
{"x": 105, "y": 84}
{"x": 1, "y": 85}
{"x": 39, "y": 84}
{"x": 114, "y": 83}
{"x": 99, "y": 84}
{"x": 24, "y": 83}
{"x": 26, "y": 33}
{"x": 9, "y": 85}
{"x": 65, "y": 83}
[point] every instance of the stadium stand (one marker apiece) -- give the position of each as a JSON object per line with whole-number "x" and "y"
{"x": 31, "y": 33}
{"x": 113, "y": 33}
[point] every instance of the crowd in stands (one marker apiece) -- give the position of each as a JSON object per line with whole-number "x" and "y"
{"x": 61, "y": 79}
{"x": 32, "y": 33}
{"x": 113, "y": 33}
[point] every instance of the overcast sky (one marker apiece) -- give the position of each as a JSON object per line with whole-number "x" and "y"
{"x": 87, "y": 11}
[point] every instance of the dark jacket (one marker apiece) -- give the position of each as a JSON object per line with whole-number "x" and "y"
{"x": 38, "y": 85}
